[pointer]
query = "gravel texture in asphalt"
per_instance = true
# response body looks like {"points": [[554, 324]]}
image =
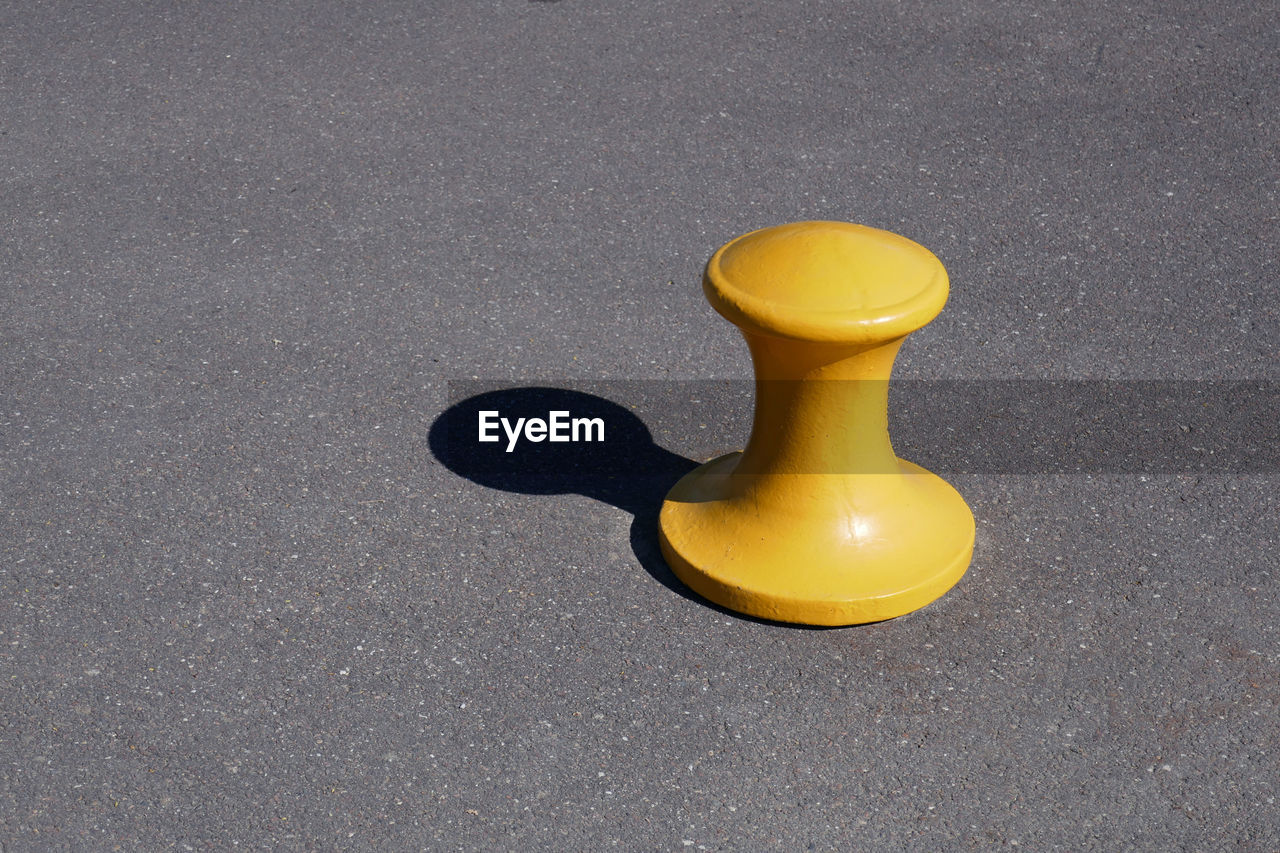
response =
{"points": [[254, 257]]}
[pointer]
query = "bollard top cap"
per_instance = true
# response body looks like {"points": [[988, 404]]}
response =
{"points": [[826, 281]]}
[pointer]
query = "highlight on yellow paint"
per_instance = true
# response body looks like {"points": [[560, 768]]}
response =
{"points": [[817, 521]]}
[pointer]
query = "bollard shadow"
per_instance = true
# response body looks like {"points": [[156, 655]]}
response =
{"points": [[627, 469]]}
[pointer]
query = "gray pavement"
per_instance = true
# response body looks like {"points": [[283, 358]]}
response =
{"points": [[247, 600]]}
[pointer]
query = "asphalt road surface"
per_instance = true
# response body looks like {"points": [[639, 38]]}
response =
{"points": [[255, 257]]}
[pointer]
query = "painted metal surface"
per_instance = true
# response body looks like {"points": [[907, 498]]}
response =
{"points": [[817, 521]]}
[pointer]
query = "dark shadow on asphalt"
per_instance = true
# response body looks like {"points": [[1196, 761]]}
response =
{"points": [[627, 470]]}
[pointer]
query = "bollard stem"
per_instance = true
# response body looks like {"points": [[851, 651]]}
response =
{"points": [[820, 408]]}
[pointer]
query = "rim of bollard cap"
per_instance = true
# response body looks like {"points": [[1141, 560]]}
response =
{"points": [[826, 281]]}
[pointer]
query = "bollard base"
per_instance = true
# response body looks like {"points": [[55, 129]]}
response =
{"points": [[816, 549]]}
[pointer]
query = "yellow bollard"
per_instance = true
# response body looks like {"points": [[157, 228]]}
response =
{"points": [[817, 521]]}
